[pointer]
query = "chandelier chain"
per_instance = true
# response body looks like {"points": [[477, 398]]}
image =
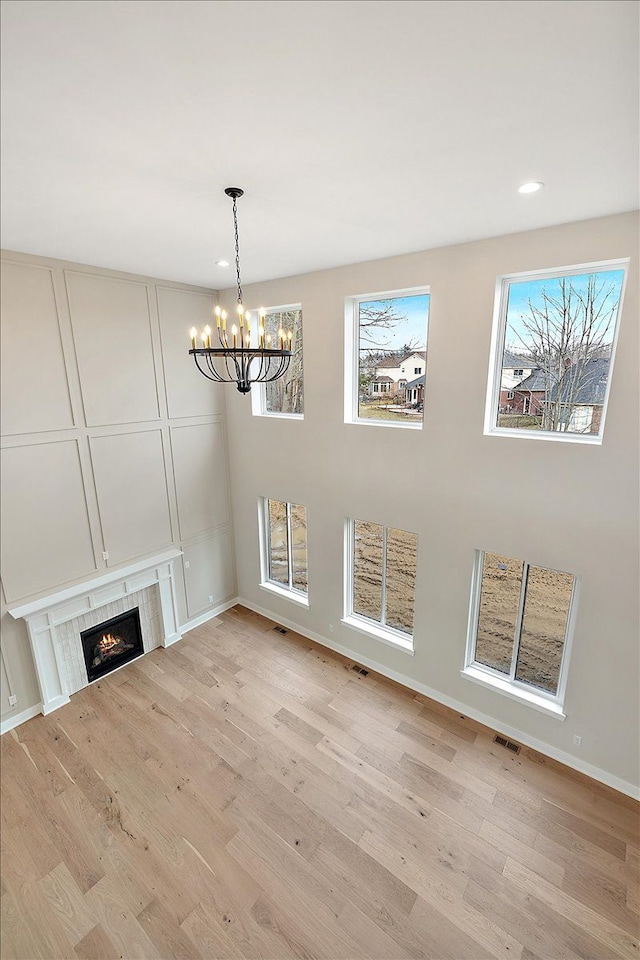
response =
{"points": [[237, 241]]}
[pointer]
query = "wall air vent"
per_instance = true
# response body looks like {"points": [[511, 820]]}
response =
{"points": [[509, 744]]}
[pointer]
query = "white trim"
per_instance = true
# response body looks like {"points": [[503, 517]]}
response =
{"points": [[378, 629], [508, 685], [352, 357], [384, 635], [88, 586], [498, 335], [264, 549], [209, 615], [520, 434], [19, 718], [596, 773], [30, 712], [508, 689], [372, 422], [273, 413], [259, 393], [44, 618], [574, 763], [293, 595]]}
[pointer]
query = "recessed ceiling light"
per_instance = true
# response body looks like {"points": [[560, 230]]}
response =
{"points": [[531, 187], [222, 263]]}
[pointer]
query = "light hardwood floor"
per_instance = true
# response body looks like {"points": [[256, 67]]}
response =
{"points": [[248, 794]]}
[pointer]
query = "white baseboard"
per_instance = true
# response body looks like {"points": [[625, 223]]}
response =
{"points": [[602, 776], [30, 712], [209, 614], [19, 718]]}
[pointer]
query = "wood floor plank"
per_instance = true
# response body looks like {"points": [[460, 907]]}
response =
{"points": [[96, 945], [245, 794], [67, 903], [169, 938], [593, 921]]}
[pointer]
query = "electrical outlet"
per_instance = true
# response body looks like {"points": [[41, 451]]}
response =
{"points": [[330, 628], [577, 741], [13, 700], [186, 564], [210, 599], [105, 554]]}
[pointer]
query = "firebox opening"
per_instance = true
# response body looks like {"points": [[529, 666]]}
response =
{"points": [[111, 644]]}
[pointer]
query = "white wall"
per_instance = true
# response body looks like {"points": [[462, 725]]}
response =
{"points": [[568, 506], [111, 441]]}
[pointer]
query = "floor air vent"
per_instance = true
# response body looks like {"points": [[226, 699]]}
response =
{"points": [[280, 629], [509, 744], [360, 670]]}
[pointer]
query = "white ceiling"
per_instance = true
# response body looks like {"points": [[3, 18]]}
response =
{"points": [[358, 129]]}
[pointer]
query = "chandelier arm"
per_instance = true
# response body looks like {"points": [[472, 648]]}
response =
{"points": [[281, 370], [263, 369], [204, 372], [212, 367]]}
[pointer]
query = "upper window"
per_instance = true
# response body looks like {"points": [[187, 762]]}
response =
{"points": [[386, 334], [554, 337], [518, 627], [284, 396], [380, 582], [283, 528]]}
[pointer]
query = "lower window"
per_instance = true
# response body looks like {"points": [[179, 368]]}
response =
{"points": [[519, 625], [381, 578], [284, 547]]}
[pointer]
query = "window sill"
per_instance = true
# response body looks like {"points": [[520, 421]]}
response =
{"points": [[299, 598], [372, 422], [532, 699], [560, 437], [379, 633], [273, 414]]}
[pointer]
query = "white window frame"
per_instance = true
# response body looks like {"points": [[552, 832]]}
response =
{"points": [[507, 685], [259, 391], [352, 354], [264, 540], [498, 336], [371, 628]]}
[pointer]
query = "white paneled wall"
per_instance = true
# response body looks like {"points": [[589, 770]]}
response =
{"points": [[114, 447]]}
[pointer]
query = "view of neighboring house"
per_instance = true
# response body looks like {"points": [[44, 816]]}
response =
{"points": [[414, 391], [578, 396], [393, 374], [582, 393], [527, 396], [514, 370]]}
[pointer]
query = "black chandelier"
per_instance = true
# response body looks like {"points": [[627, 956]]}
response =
{"points": [[241, 358]]}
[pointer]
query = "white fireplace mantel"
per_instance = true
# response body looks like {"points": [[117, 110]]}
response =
{"points": [[45, 615]]}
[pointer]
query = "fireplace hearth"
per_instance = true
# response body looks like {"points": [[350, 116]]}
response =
{"points": [[112, 643]]}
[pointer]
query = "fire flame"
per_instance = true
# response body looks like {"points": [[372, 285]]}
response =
{"points": [[107, 641]]}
